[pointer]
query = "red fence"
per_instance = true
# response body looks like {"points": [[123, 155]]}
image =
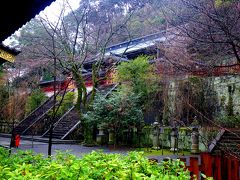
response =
{"points": [[204, 71], [219, 167], [218, 71]]}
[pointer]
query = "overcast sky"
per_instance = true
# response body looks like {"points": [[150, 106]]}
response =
{"points": [[51, 12], [54, 9]]}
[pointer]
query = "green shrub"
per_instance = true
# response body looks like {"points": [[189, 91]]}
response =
{"points": [[36, 98], [229, 121], [94, 165], [66, 104]]}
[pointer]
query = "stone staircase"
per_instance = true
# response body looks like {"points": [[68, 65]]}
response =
{"points": [[70, 120], [65, 125], [227, 141], [35, 116], [105, 90]]}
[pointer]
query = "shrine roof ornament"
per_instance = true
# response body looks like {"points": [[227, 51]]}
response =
{"points": [[20, 12], [7, 54]]}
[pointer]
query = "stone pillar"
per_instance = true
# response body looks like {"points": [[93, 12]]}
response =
{"points": [[110, 137], [155, 139], [174, 136], [161, 136], [195, 140], [100, 135]]}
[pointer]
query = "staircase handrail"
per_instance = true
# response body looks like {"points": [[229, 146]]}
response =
{"points": [[45, 102], [215, 140], [72, 108], [59, 120], [38, 119], [80, 121], [71, 129], [114, 87]]}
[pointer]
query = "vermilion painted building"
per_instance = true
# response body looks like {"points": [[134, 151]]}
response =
{"points": [[69, 84]]}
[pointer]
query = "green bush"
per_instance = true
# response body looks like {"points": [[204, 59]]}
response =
{"points": [[36, 98], [228, 121], [95, 165], [119, 112], [66, 104]]}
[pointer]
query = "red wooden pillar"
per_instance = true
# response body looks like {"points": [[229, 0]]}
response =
{"points": [[229, 168], [194, 167], [217, 168], [235, 167], [224, 167], [206, 164]]}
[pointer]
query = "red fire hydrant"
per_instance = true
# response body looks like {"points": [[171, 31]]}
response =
{"points": [[17, 140]]}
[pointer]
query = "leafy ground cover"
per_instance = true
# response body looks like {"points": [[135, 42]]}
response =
{"points": [[164, 152], [95, 165]]}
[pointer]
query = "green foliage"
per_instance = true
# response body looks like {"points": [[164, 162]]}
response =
{"points": [[136, 72], [119, 109], [198, 92], [47, 76], [146, 140], [4, 98], [220, 3], [66, 104], [164, 152], [118, 112], [229, 107], [146, 20], [229, 121], [4, 92], [207, 135], [36, 98], [1, 71], [138, 75], [95, 165]]}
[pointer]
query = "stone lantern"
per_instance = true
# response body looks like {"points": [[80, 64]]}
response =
{"points": [[174, 136], [155, 139], [195, 140], [100, 135], [110, 136]]}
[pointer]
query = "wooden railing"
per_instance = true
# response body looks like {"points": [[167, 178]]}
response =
{"points": [[203, 72]]}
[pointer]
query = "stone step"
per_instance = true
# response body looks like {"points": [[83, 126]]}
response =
{"points": [[227, 140], [230, 146], [232, 134], [58, 132], [55, 137], [230, 137]]}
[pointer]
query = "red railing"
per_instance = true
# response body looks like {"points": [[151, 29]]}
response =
{"points": [[204, 71], [219, 167], [65, 84]]}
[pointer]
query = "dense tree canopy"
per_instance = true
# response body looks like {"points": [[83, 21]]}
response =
{"points": [[213, 27]]}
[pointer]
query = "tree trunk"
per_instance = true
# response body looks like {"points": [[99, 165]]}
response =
{"points": [[81, 98], [95, 84]]}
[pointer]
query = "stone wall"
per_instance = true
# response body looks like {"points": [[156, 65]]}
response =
{"points": [[222, 86], [216, 97]]}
